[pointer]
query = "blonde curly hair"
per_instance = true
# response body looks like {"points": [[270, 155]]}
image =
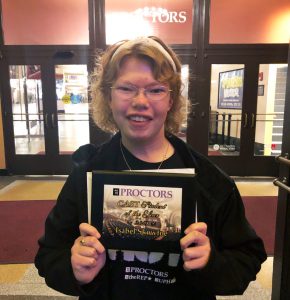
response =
{"points": [[106, 72]]}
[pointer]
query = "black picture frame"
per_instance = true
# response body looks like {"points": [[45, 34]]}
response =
{"points": [[186, 182], [230, 89]]}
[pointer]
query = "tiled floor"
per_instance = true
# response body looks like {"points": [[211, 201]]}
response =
{"points": [[21, 281]]}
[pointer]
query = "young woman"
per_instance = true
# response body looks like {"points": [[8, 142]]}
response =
{"points": [[136, 91]]}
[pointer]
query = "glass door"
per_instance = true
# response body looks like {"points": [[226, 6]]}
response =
{"points": [[226, 99], [27, 109], [49, 116], [270, 109], [26, 119], [246, 114], [228, 116], [72, 119]]}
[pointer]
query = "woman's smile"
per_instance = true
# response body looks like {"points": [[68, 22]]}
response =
{"points": [[139, 120]]}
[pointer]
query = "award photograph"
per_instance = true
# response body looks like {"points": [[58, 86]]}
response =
{"points": [[139, 209]]}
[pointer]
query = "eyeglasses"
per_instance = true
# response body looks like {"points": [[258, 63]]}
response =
{"points": [[154, 93]]}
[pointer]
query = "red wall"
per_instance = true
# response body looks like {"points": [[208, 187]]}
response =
{"points": [[45, 22], [249, 21], [42, 22]]}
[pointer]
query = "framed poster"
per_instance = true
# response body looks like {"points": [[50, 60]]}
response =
{"points": [[145, 211], [230, 93]]}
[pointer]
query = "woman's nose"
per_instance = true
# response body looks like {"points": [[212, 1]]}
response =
{"points": [[140, 99]]}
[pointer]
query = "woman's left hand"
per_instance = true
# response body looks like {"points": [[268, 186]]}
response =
{"points": [[196, 246]]}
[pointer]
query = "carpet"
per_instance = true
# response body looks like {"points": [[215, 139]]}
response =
{"points": [[214, 153], [21, 225], [66, 152], [31, 190], [261, 213]]}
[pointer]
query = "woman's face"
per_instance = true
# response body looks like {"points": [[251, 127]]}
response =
{"points": [[139, 118]]}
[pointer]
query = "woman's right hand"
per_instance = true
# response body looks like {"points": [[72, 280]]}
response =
{"points": [[88, 255]]}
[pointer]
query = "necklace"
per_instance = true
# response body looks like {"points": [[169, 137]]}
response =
{"points": [[127, 164]]}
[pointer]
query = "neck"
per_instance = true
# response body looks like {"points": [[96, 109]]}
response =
{"points": [[150, 152]]}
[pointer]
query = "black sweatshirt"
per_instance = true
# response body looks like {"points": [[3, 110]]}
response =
{"points": [[236, 251]]}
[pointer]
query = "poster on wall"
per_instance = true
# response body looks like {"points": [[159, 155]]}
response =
{"points": [[230, 95]]}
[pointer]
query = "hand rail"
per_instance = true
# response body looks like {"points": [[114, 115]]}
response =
{"points": [[281, 184], [283, 159]]}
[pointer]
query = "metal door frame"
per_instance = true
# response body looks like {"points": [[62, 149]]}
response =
{"points": [[281, 267]]}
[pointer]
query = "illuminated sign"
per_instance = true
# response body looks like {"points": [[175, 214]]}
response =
{"points": [[169, 20], [162, 15], [231, 89]]}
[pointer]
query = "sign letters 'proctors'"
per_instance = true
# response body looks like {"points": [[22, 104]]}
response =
{"points": [[142, 210]]}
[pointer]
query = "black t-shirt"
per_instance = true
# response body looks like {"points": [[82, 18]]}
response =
{"points": [[172, 162], [144, 275]]}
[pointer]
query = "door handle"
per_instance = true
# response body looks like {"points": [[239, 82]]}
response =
{"points": [[253, 121], [46, 120], [52, 120], [246, 120]]}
